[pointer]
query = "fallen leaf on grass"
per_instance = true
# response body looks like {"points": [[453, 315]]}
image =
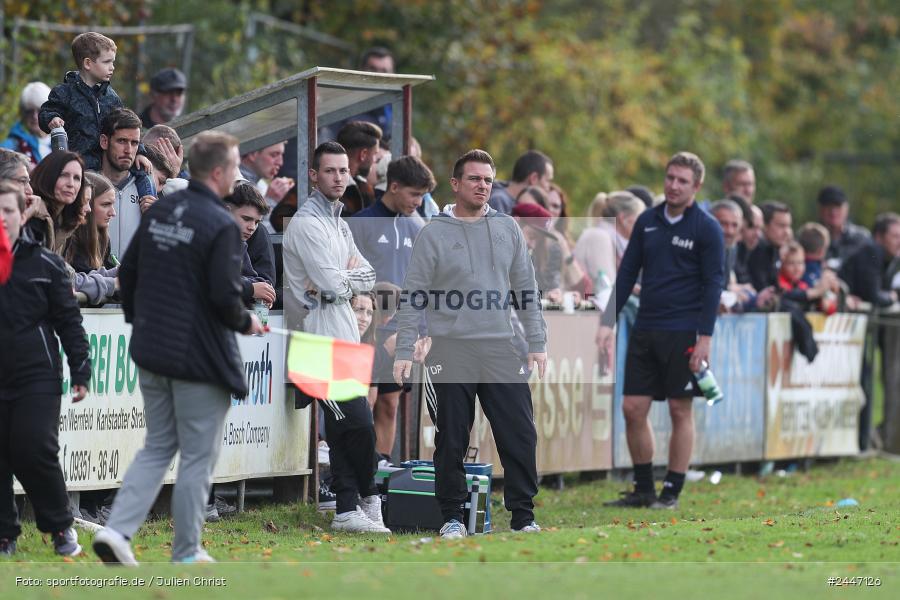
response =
{"points": [[673, 520], [267, 552], [761, 493], [769, 522], [636, 555], [326, 537], [271, 527], [582, 541], [581, 559], [707, 529], [777, 544], [442, 572], [602, 534], [244, 540]]}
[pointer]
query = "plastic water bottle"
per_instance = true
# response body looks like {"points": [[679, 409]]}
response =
{"points": [[59, 140], [262, 311], [604, 290], [707, 383]]}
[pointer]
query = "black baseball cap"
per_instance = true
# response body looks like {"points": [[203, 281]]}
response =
{"points": [[832, 195], [168, 80]]}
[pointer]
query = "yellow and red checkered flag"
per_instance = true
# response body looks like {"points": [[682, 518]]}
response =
{"points": [[328, 368]]}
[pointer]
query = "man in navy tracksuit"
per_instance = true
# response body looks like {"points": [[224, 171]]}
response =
{"points": [[680, 249]]}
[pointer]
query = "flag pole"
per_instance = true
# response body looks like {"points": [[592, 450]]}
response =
{"points": [[278, 330]]}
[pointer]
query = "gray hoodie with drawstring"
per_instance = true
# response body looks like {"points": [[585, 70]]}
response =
{"points": [[467, 277]]}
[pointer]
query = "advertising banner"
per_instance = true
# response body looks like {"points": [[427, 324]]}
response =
{"points": [[730, 431], [812, 409], [98, 437], [571, 404]]}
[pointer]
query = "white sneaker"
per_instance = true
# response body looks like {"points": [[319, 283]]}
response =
{"points": [[322, 454], [356, 521], [530, 528], [371, 507], [112, 548], [200, 556], [453, 530]]}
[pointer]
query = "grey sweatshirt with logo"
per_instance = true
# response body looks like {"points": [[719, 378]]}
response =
{"points": [[472, 275], [318, 245]]}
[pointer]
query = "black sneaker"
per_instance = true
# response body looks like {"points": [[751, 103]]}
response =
{"points": [[7, 547], [224, 509], [66, 543], [212, 513], [90, 516], [327, 498], [665, 503], [633, 499]]}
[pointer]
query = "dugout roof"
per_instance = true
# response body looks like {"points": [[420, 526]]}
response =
{"points": [[299, 105]]}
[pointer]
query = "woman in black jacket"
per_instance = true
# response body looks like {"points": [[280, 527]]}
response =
{"points": [[36, 306]]}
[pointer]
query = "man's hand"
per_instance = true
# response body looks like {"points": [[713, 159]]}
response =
{"points": [[256, 327], [701, 352], [765, 300], [146, 202], [353, 262], [539, 359], [279, 187], [166, 148], [78, 393], [605, 340], [56, 122], [402, 370], [422, 348], [265, 292]]}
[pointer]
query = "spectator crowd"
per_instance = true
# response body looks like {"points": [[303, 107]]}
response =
{"points": [[81, 203]]}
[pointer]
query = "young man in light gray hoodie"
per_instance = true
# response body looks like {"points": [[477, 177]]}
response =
{"points": [[469, 268], [323, 270]]}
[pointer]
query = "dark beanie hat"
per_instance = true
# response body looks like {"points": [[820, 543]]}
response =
{"points": [[832, 195]]}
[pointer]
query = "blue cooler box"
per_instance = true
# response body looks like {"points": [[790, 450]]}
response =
{"points": [[410, 504]]}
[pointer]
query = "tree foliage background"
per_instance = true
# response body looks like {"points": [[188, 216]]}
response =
{"points": [[805, 90]]}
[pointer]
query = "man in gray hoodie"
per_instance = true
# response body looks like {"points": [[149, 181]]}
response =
{"points": [[323, 270], [469, 268]]}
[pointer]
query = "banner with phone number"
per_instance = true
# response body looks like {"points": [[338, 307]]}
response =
{"points": [[264, 435]]}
